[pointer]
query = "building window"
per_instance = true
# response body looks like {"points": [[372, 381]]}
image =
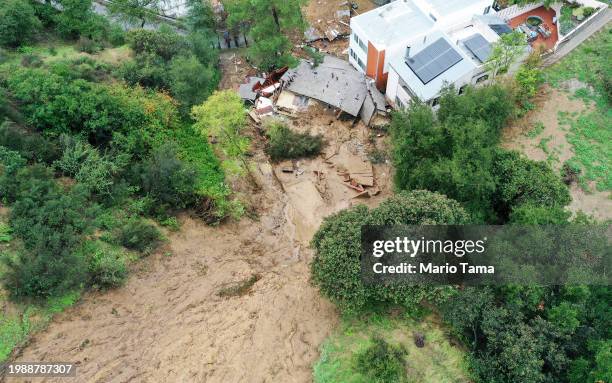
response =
{"points": [[487, 9], [360, 42], [398, 103], [353, 54], [363, 46], [462, 89], [482, 78], [361, 64], [435, 101]]}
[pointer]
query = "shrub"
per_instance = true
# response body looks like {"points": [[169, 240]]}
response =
{"points": [[165, 44], [31, 60], [77, 19], [287, 144], [106, 265], [382, 362], [31, 146], [588, 11], [136, 234], [528, 214], [116, 35], [168, 180], [570, 172], [75, 151], [51, 224], [85, 163], [82, 67], [88, 45], [132, 118], [18, 22], [147, 70], [5, 233], [10, 163]]}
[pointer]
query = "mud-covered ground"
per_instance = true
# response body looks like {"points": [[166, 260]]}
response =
{"points": [[169, 324], [551, 144]]}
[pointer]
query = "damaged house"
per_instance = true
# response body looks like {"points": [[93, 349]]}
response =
{"points": [[335, 83]]}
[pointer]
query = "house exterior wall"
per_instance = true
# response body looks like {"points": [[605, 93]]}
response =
{"points": [[396, 96], [447, 21], [357, 54]]}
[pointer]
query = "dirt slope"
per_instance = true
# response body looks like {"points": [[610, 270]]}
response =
{"points": [[169, 325]]}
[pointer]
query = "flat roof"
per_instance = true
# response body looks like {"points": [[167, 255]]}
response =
{"points": [[448, 7], [432, 88], [396, 21], [433, 60]]}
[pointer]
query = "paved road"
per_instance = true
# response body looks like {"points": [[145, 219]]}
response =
{"points": [[579, 37]]}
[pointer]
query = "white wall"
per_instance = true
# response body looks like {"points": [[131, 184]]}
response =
{"points": [[515, 10], [395, 90], [465, 14], [356, 48]]}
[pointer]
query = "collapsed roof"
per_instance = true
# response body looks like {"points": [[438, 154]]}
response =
{"points": [[334, 82]]}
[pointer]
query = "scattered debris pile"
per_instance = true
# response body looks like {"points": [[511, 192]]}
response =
{"points": [[337, 25], [261, 92], [355, 171]]}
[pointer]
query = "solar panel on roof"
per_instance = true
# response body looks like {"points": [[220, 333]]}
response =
{"points": [[434, 60], [501, 29], [479, 46]]}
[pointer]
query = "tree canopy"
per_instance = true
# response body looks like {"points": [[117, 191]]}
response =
{"points": [[270, 24]]}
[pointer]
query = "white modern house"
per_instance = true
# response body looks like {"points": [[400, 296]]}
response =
{"points": [[413, 48], [455, 57], [384, 34]]}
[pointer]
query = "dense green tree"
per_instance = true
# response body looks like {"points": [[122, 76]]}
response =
{"points": [[223, 117], [505, 52], [148, 70], [31, 146], [165, 42], [452, 152], [336, 267], [133, 119], [77, 18], [10, 163], [191, 82], [200, 16], [521, 180], [271, 23], [136, 12], [18, 22]]}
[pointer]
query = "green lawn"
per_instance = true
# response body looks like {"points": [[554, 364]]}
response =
{"points": [[437, 362]]}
